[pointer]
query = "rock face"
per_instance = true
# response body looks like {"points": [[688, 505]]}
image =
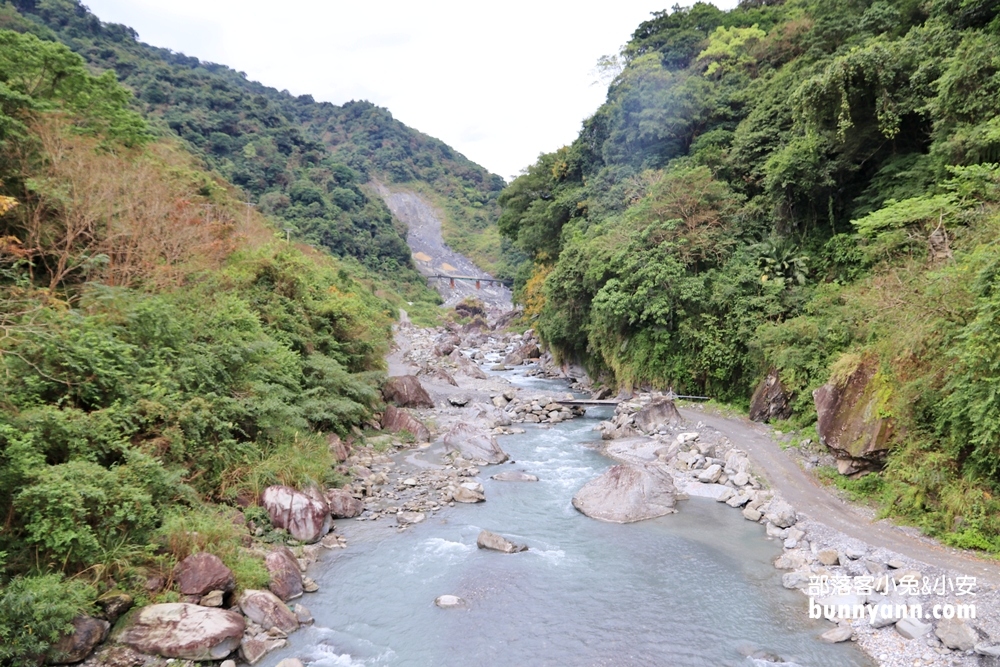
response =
{"points": [[488, 540], [203, 572], [187, 631], [627, 493], [770, 401], [474, 444], [343, 505], [395, 420], [306, 519], [286, 577], [266, 610], [406, 391], [848, 420], [87, 633], [659, 414]]}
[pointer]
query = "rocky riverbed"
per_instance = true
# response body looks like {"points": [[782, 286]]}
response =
{"points": [[438, 392]]}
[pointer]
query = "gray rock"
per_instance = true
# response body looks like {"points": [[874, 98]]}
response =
{"points": [[253, 648], [290, 662], [750, 514], [515, 476], [717, 492], [955, 634], [711, 474], [469, 492], [187, 631], [841, 633], [474, 443], [658, 414], [739, 500], [343, 505], [450, 602], [985, 648], [911, 628], [627, 493], [885, 613], [303, 615], [780, 513], [266, 610], [796, 579], [459, 401], [741, 479], [309, 586], [488, 540], [409, 518], [406, 392]]}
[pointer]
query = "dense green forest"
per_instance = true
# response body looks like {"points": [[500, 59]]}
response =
{"points": [[301, 162], [804, 186]]}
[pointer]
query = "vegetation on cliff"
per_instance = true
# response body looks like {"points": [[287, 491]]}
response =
{"points": [[165, 353], [804, 186]]}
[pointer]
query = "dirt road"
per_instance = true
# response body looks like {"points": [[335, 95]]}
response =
{"points": [[817, 503]]}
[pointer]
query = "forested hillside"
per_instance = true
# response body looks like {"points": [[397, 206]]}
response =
{"points": [[805, 187], [165, 353], [301, 162]]}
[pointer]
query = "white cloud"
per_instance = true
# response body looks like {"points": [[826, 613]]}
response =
{"points": [[500, 82]]}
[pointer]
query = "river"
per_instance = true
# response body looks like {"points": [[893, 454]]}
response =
{"points": [[694, 589]]}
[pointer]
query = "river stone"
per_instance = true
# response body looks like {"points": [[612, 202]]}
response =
{"points": [[409, 518], [253, 648], [627, 493], [886, 612], [515, 476], [309, 585], [203, 572], [741, 479], [286, 577], [114, 605], [459, 401], [474, 443], [342, 504], [87, 633], [406, 392], [955, 634], [751, 514], [268, 611], [450, 602], [711, 474], [796, 579], [305, 518], [780, 513], [841, 633], [488, 540], [828, 557], [985, 648], [912, 628], [717, 492], [469, 492], [187, 631]]}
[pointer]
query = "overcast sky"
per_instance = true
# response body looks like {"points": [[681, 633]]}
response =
{"points": [[500, 82]]}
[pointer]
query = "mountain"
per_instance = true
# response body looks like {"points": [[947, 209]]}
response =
{"points": [[802, 191], [301, 162]]}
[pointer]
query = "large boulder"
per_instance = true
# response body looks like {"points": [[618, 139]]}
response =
{"points": [[406, 392], [769, 400], [627, 493], [661, 413], [203, 572], [955, 634], [87, 633], [474, 444], [343, 505], [305, 518], [286, 577], [186, 631], [266, 610], [395, 420], [850, 420], [488, 540]]}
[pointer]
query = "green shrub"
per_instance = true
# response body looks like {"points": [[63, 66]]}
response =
{"points": [[35, 612]]}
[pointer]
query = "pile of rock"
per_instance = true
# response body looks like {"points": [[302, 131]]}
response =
{"points": [[648, 414], [536, 410]]}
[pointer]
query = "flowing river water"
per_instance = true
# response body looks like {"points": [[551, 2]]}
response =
{"points": [[694, 589]]}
